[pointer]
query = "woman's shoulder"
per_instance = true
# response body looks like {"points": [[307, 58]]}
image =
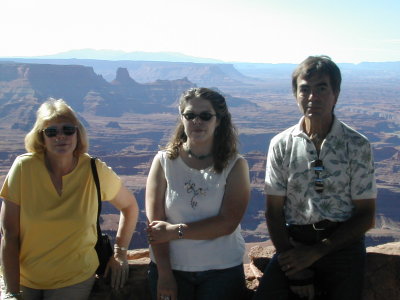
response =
{"points": [[163, 156], [236, 159], [28, 158]]}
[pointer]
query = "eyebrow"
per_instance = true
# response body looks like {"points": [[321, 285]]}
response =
{"points": [[192, 111], [317, 85]]}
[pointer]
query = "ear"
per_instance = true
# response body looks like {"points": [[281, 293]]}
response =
{"points": [[336, 97]]}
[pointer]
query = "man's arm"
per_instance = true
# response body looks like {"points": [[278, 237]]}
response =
{"points": [[280, 237], [301, 256], [276, 223], [353, 229]]}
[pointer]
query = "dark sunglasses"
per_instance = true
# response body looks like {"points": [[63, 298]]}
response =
{"points": [[205, 116], [54, 131], [318, 167]]}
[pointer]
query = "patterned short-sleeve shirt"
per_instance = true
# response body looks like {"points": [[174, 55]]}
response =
{"points": [[347, 175]]}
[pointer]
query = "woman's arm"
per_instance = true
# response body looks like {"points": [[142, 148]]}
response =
{"points": [[10, 231], [124, 201], [234, 204], [155, 210]]}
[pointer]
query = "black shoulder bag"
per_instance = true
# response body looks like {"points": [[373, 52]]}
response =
{"points": [[103, 245]]}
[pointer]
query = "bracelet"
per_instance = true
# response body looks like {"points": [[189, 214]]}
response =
{"points": [[120, 248], [180, 231], [13, 295], [326, 242]]}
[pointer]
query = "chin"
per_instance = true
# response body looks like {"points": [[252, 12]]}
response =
{"points": [[200, 139]]}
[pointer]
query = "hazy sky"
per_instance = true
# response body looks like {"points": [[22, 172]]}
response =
{"points": [[230, 30]]}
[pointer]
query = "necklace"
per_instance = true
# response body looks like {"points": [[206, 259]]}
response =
{"points": [[199, 157]]}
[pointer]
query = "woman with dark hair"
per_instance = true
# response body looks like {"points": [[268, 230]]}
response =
{"points": [[197, 192], [49, 213]]}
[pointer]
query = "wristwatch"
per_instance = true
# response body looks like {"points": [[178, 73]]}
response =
{"points": [[180, 231]]}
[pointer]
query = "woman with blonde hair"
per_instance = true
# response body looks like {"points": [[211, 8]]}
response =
{"points": [[49, 213], [197, 192]]}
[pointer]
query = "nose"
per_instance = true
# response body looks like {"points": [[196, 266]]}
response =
{"points": [[197, 119], [314, 95], [60, 136]]}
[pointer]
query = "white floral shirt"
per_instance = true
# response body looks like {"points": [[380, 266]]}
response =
{"points": [[348, 173]]}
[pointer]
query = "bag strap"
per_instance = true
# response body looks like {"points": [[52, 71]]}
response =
{"points": [[97, 182]]}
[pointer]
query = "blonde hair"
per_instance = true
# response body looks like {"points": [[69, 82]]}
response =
{"points": [[51, 110]]}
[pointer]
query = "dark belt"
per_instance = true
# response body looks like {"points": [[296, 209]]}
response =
{"points": [[312, 233]]}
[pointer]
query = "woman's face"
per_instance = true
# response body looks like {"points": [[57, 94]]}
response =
{"points": [[200, 121], [60, 137]]}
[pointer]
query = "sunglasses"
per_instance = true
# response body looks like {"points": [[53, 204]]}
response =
{"points": [[205, 116], [53, 131], [318, 167]]}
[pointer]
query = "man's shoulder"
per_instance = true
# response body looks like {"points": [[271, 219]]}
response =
{"points": [[352, 134], [284, 135]]}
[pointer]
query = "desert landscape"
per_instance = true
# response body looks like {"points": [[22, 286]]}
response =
{"points": [[130, 109]]}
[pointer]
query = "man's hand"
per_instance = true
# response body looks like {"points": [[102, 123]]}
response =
{"points": [[304, 291], [298, 258], [302, 284]]}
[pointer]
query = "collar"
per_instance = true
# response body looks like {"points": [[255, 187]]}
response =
{"points": [[299, 132]]}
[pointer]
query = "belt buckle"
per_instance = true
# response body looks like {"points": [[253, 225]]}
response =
{"points": [[316, 228]]}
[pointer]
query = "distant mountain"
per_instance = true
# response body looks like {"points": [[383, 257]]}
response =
{"points": [[350, 71], [23, 87], [121, 55], [202, 74]]}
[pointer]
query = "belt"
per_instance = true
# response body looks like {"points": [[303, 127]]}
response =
{"points": [[312, 233]]}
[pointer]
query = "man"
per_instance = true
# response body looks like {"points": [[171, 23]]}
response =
{"points": [[321, 192]]}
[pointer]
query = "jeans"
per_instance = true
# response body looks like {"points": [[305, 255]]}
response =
{"points": [[337, 276], [79, 291], [205, 285]]}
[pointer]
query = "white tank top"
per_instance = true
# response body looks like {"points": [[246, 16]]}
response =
{"points": [[194, 195]]}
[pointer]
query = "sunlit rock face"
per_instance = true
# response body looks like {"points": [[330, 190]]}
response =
{"points": [[382, 275]]}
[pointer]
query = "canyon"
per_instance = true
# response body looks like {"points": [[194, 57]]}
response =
{"points": [[130, 110]]}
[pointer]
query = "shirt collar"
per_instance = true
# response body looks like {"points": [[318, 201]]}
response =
{"points": [[298, 129]]}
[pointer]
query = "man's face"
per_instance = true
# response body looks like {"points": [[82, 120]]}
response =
{"points": [[315, 97]]}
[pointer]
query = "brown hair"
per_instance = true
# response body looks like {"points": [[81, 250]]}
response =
{"points": [[225, 135], [322, 65]]}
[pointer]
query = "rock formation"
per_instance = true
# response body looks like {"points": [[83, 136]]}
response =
{"points": [[382, 277]]}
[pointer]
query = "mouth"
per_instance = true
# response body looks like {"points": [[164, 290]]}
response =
{"points": [[198, 129], [313, 108]]}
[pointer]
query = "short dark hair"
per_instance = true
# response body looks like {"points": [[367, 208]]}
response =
{"points": [[321, 65], [225, 136]]}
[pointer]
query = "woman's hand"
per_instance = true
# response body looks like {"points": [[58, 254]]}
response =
{"points": [[166, 287], [119, 268], [161, 232], [7, 296]]}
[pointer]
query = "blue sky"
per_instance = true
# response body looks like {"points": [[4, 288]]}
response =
{"points": [[230, 30]]}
